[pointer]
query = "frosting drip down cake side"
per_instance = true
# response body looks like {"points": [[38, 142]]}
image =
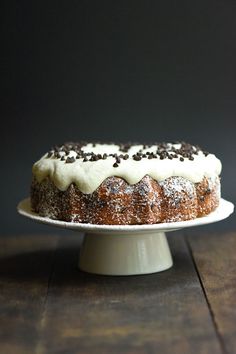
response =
{"points": [[125, 184]]}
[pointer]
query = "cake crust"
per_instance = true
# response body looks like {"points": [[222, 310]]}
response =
{"points": [[116, 202]]}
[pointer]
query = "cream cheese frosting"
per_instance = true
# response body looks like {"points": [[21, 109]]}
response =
{"points": [[90, 164]]}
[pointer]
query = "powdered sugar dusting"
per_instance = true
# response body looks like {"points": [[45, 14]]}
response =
{"points": [[180, 199], [178, 187]]}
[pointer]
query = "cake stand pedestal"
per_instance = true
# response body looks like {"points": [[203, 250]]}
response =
{"points": [[116, 254], [126, 249]]}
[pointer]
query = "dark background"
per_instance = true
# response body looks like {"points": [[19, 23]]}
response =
{"points": [[114, 70]]}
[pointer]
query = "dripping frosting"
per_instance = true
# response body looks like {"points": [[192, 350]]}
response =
{"points": [[88, 165]]}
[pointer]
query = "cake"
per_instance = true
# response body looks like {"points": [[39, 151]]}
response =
{"points": [[125, 184]]}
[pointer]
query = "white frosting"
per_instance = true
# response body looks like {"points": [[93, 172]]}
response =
{"points": [[89, 175]]}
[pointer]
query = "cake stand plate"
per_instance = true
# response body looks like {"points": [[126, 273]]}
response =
{"points": [[126, 249]]}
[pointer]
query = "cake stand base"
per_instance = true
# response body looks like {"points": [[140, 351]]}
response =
{"points": [[126, 249], [125, 254]]}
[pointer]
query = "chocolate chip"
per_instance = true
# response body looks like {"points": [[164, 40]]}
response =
{"points": [[50, 153], [57, 155], [70, 159], [137, 157]]}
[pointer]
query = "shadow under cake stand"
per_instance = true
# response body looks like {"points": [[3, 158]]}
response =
{"points": [[126, 249]]}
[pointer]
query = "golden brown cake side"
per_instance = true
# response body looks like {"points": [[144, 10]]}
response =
{"points": [[116, 202]]}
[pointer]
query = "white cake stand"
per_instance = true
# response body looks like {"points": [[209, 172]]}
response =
{"points": [[126, 249]]}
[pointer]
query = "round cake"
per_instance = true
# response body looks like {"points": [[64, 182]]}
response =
{"points": [[125, 184]]}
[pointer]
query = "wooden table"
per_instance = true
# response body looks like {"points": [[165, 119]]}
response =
{"points": [[48, 306]]}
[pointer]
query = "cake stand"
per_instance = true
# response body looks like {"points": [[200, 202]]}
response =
{"points": [[126, 249]]}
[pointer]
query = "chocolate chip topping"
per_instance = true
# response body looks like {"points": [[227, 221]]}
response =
{"points": [[163, 151]]}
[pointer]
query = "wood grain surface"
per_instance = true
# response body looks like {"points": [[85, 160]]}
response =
{"points": [[215, 260], [49, 306]]}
